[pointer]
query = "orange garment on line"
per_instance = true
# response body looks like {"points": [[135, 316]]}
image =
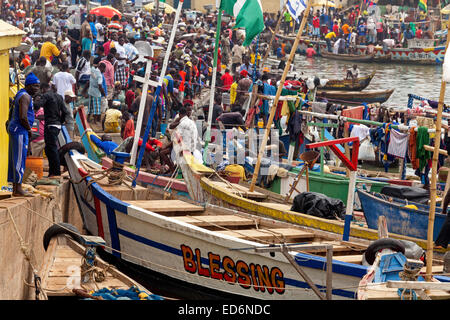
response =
{"points": [[353, 113]]}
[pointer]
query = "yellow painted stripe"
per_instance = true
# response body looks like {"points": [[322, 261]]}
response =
{"points": [[296, 218]]}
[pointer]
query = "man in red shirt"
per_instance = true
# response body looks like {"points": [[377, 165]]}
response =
{"points": [[419, 33], [351, 17], [316, 27], [227, 80], [336, 28], [310, 52]]}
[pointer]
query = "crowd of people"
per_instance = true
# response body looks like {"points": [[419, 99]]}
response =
{"points": [[78, 59], [93, 64], [343, 30]]}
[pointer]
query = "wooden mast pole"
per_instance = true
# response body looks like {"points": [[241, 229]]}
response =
{"points": [[253, 95], [277, 97], [43, 22], [437, 142], [274, 34]]}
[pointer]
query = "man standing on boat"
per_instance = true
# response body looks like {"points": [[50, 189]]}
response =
{"points": [[328, 38], [316, 26], [19, 129], [362, 31]]}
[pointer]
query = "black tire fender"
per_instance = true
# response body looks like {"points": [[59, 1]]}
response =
{"points": [[61, 228], [386, 243], [67, 147]]}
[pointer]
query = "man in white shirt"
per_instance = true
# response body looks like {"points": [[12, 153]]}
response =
{"points": [[388, 44], [353, 73], [63, 80], [187, 129], [121, 56], [139, 20], [131, 51], [83, 69], [100, 26]]}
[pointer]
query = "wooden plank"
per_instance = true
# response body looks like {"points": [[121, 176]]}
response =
{"points": [[239, 190], [278, 206], [434, 268], [337, 247], [48, 260], [65, 252], [160, 206], [269, 234], [221, 220], [381, 292], [426, 285], [356, 258]]}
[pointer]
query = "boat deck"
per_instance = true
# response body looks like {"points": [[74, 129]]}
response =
{"points": [[62, 271], [240, 225], [380, 291]]}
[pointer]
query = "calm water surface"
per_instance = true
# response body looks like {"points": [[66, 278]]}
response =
{"points": [[424, 81]]}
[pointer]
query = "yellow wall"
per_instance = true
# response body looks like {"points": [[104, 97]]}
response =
{"points": [[10, 37], [4, 111]]}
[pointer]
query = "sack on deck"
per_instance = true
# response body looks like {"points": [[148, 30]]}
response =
{"points": [[318, 205]]}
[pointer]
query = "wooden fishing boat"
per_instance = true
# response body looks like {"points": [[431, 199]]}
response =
{"points": [[426, 54], [358, 84], [356, 97], [397, 271], [64, 273], [348, 57], [402, 220], [383, 281], [213, 251], [206, 186]]}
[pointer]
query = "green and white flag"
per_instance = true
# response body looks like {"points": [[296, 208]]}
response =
{"points": [[248, 14]]}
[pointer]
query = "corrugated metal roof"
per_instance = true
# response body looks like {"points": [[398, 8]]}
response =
{"points": [[7, 30]]}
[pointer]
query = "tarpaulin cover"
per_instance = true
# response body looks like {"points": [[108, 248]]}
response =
{"points": [[413, 194], [319, 205]]}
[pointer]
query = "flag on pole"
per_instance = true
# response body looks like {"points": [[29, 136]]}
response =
{"points": [[295, 8], [248, 14], [423, 5]]}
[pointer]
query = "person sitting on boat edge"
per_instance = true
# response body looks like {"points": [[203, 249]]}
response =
{"points": [[353, 73], [106, 143]]}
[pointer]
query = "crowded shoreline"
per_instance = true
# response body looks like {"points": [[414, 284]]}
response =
{"points": [[190, 146]]}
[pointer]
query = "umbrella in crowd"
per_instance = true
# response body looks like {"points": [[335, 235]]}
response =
{"points": [[105, 11], [167, 8]]}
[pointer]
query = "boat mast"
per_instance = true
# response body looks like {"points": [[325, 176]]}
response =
{"points": [[277, 97], [437, 142], [277, 28], [213, 80]]}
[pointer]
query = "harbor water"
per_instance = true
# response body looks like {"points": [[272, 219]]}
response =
{"points": [[421, 80]]}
